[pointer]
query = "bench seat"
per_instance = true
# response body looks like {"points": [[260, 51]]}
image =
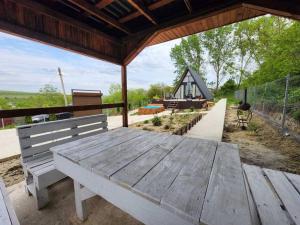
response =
{"points": [[36, 141], [7, 213]]}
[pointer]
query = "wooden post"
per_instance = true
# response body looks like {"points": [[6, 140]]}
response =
{"points": [[124, 96]]}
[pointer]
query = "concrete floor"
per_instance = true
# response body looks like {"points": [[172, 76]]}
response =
{"points": [[61, 209], [9, 143]]}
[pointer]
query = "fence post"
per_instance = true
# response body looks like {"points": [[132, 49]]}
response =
{"points": [[285, 103], [263, 106]]}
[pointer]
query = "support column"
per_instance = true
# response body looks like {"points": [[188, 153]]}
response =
{"points": [[124, 95]]}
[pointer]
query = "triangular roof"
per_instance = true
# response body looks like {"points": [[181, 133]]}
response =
{"points": [[199, 82]]}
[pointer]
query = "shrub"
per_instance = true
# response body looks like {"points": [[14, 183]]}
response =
{"points": [[156, 121], [253, 127], [296, 115], [146, 121], [28, 119], [192, 109], [52, 117], [167, 127]]}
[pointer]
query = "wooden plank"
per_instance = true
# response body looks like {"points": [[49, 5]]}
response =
{"points": [[103, 3], [88, 142], [286, 192], [143, 10], [100, 15], [226, 197], [58, 134], [10, 210], [29, 130], [294, 179], [105, 162], [186, 194], [124, 95], [4, 216], [133, 172], [138, 207], [46, 147], [52, 110], [153, 6], [101, 146], [157, 181], [268, 205], [253, 210], [139, 150]]}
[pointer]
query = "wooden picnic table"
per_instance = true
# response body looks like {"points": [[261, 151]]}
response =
{"points": [[158, 178]]}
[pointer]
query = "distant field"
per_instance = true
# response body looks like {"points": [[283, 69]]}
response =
{"points": [[16, 94]]}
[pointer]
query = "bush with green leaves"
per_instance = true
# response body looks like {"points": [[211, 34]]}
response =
{"points": [[296, 115], [146, 121], [156, 121]]}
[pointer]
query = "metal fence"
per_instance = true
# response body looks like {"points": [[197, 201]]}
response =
{"points": [[278, 101]]}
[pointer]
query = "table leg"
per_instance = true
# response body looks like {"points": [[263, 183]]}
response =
{"points": [[79, 202]]}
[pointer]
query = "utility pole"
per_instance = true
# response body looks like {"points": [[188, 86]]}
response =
{"points": [[62, 86]]}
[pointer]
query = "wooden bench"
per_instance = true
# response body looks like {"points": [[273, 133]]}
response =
{"points": [[7, 213], [35, 142]]}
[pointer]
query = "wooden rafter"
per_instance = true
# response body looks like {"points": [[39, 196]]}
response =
{"points": [[151, 7], [188, 5], [103, 3], [289, 9], [99, 14], [143, 10]]}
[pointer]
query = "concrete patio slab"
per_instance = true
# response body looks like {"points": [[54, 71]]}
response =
{"points": [[61, 209], [212, 124]]}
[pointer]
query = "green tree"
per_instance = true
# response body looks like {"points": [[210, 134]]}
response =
{"points": [[188, 53], [242, 52], [220, 46], [158, 90], [4, 104], [277, 49]]}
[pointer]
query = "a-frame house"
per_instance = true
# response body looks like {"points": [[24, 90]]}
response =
{"points": [[191, 86]]}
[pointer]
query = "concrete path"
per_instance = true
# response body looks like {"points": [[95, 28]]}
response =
{"points": [[116, 121], [210, 126], [9, 143]]}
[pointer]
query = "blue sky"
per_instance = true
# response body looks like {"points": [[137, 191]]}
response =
{"points": [[27, 66]]}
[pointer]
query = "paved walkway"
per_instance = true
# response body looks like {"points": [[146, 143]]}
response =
{"points": [[211, 126], [9, 143]]}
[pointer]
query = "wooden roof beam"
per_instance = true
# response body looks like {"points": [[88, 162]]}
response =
{"points": [[103, 3], [151, 7], [91, 9], [143, 10], [188, 5]]}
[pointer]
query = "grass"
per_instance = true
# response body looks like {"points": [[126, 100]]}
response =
{"points": [[16, 94], [231, 100]]}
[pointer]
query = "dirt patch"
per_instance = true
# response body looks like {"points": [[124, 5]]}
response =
{"points": [[262, 145], [11, 171], [168, 123]]}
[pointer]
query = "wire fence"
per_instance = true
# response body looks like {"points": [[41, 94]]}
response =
{"points": [[278, 101]]}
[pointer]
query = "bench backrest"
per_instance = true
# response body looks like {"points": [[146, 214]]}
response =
{"points": [[36, 139]]}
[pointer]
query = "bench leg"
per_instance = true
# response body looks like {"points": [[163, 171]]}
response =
{"points": [[41, 197], [79, 202]]}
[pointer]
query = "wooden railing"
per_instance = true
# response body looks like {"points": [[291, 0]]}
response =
{"points": [[51, 110]]}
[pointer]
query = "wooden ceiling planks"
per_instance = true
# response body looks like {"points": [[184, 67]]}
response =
{"points": [[207, 23], [104, 30]]}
